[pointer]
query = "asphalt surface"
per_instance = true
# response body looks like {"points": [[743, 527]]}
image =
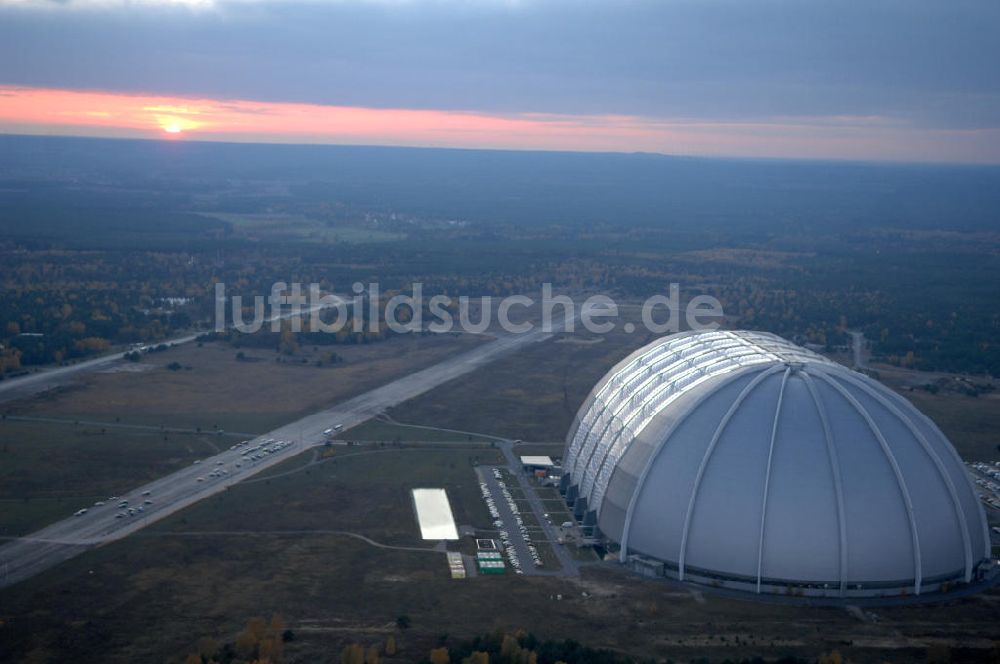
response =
{"points": [[980, 475], [30, 555], [517, 541], [570, 566], [48, 378]]}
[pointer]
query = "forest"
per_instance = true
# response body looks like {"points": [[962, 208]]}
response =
{"points": [[123, 242]]}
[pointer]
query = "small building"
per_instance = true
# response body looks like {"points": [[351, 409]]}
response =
{"points": [[456, 565], [533, 463], [492, 567], [490, 562]]}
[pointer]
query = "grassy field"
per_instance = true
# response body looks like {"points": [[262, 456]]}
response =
{"points": [[271, 547], [364, 489], [381, 430], [532, 395], [280, 543], [49, 470], [264, 227], [971, 423], [253, 395], [535, 394]]}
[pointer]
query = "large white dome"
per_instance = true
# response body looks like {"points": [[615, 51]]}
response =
{"points": [[740, 459]]}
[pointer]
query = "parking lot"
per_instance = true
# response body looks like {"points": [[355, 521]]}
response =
{"points": [[513, 533], [987, 478]]}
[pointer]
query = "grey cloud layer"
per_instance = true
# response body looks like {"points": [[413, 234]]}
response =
{"points": [[921, 62]]}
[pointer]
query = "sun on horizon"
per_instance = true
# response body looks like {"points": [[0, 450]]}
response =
{"points": [[173, 119]]}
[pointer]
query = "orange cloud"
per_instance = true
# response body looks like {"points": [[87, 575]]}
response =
{"points": [[72, 112], [251, 120]]}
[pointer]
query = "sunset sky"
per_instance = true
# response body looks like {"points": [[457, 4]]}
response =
{"points": [[903, 80]]}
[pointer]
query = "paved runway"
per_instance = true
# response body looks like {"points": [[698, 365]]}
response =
{"points": [[27, 556], [48, 378]]}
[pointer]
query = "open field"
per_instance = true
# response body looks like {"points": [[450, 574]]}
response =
{"points": [[275, 546], [535, 394], [287, 541], [49, 470], [384, 431], [187, 486], [82, 449], [264, 227], [363, 489], [532, 395], [252, 395], [971, 423]]}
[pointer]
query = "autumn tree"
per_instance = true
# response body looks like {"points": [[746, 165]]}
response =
{"points": [[246, 644], [352, 654], [510, 649], [440, 656], [262, 640], [271, 648], [477, 657]]}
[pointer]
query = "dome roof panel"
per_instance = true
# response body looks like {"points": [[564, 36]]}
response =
{"points": [[801, 536]]}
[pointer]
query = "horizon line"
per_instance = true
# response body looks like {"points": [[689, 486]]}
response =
{"points": [[845, 161], [826, 138]]}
